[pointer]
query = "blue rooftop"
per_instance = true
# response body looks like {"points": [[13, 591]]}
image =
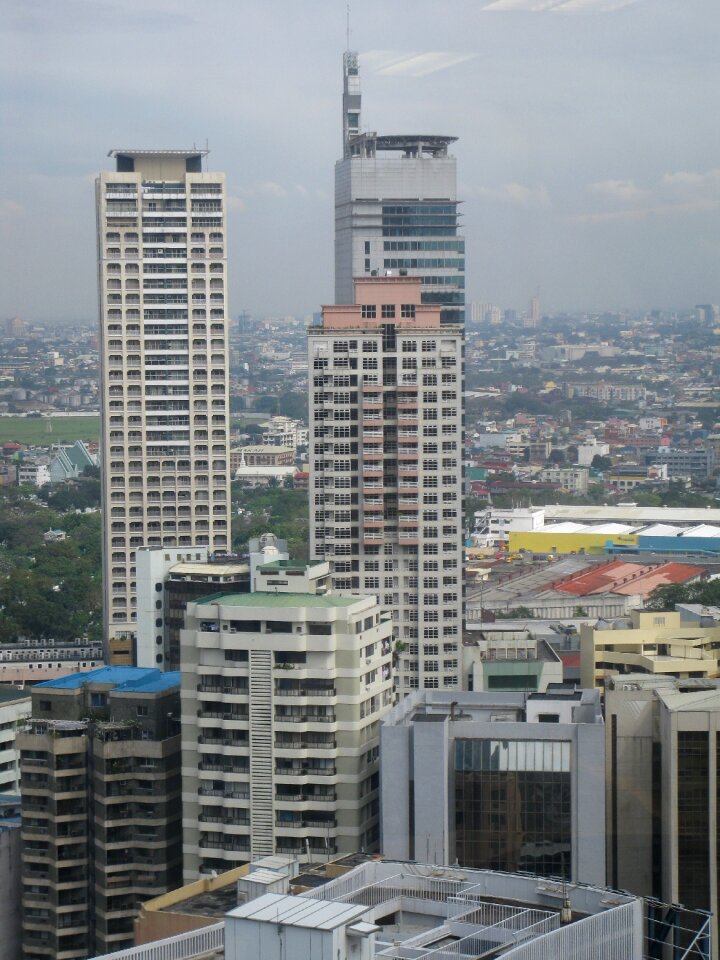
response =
{"points": [[122, 679]]}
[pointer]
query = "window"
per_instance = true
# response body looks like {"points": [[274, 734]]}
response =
{"points": [[388, 311], [407, 310], [368, 311]]}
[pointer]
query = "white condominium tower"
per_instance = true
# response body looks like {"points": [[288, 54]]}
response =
{"points": [[386, 504], [396, 208], [162, 256]]}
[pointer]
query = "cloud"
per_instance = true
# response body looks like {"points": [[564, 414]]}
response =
{"points": [[624, 190], [396, 63], [643, 213], [262, 188], [517, 193], [557, 6], [687, 179], [236, 204]]}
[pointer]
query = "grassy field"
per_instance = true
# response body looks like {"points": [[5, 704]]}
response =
{"points": [[34, 430]]}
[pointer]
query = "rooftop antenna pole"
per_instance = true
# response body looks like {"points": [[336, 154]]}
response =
{"points": [[347, 29]]}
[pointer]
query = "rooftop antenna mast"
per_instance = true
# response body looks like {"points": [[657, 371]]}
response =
{"points": [[347, 28]]}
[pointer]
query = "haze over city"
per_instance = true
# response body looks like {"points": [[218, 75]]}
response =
{"points": [[587, 138]]}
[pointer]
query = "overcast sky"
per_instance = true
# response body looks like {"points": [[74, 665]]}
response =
{"points": [[589, 150]]}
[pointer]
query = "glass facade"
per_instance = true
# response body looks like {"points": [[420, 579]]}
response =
{"points": [[693, 816], [513, 805], [426, 221]]}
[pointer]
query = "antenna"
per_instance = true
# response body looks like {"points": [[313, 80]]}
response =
{"points": [[347, 28]]}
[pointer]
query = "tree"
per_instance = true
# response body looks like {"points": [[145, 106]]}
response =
{"points": [[601, 463], [704, 592], [515, 613], [557, 456]]}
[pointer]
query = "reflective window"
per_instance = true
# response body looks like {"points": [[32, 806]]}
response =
{"points": [[513, 805]]}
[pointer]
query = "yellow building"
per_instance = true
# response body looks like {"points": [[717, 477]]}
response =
{"points": [[571, 537], [656, 643]]}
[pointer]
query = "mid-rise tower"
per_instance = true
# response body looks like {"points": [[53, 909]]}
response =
{"points": [[162, 259]]}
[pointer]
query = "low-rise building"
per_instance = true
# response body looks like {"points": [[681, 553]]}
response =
{"points": [[391, 910], [29, 662], [495, 659], [695, 462], [648, 642], [261, 455], [504, 781], [283, 691], [571, 479]]}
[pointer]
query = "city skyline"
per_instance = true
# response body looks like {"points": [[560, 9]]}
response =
{"points": [[585, 140]]}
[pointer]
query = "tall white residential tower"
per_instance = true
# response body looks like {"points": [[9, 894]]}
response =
{"points": [[162, 256], [386, 503]]}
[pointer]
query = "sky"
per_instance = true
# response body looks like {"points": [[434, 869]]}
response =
{"points": [[588, 151]]}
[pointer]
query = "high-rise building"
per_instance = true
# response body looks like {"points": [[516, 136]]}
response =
{"points": [[663, 784], [14, 711], [386, 504], [101, 822], [396, 208], [163, 316], [283, 691]]}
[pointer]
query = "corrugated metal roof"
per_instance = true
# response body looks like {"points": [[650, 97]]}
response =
{"points": [[299, 911], [626, 579], [122, 679], [704, 530], [661, 530]]}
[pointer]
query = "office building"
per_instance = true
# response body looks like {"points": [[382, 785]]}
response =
{"points": [[101, 824], [663, 783], [654, 642], [283, 691], [386, 504], [396, 208], [501, 781], [164, 366], [695, 462]]}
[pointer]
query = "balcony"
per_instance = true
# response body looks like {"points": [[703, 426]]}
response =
{"points": [[304, 770]]}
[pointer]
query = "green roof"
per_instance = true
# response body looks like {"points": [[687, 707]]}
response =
{"points": [[272, 599]]}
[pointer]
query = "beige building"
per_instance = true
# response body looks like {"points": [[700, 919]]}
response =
{"points": [[282, 693], [652, 642], [262, 454], [663, 785], [386, 451], [572, 479], [164, 365]]}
